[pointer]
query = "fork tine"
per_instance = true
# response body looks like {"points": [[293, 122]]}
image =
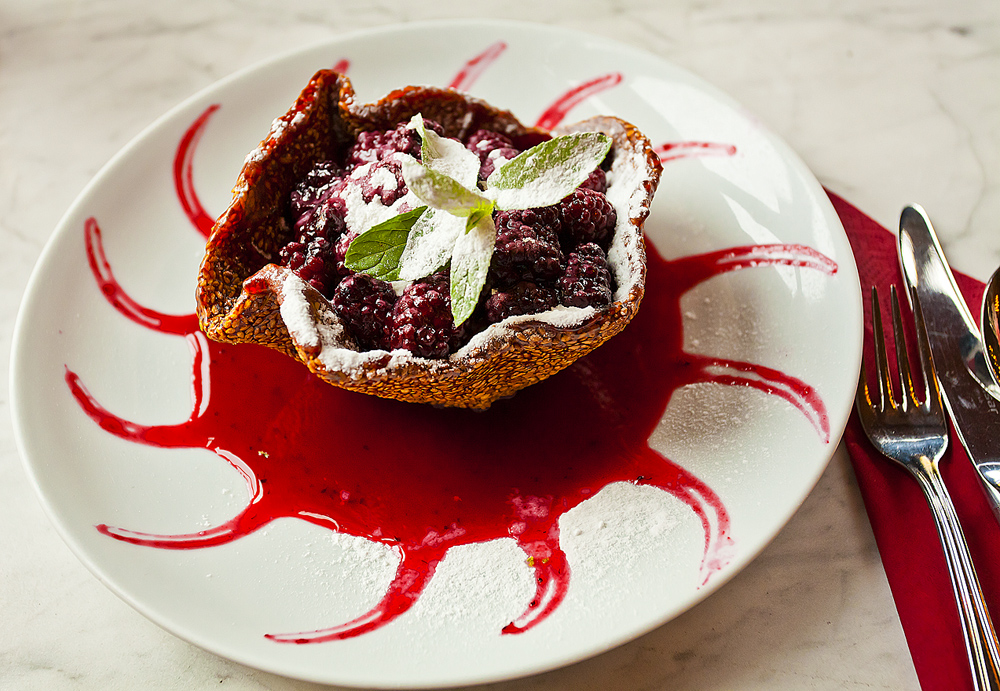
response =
{"points": [[915, 436], [932, 393], [908, 390], [881, 362]]}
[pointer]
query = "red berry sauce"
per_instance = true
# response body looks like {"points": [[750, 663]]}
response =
{"points": [[423, 480], [556, 112], [473, 68], [671, 151]]}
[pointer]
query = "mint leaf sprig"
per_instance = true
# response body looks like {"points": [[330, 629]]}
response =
{"points": [[456, 222]]}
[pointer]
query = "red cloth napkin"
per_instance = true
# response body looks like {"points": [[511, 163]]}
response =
{"points": [[900, 518]]}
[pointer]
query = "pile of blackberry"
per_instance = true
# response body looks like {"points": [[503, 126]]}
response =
{"points": [[543, 257]]}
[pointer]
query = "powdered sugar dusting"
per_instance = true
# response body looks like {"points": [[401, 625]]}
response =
{"points": [[479, 588], [279, 125], [322, 331], [361, 214], [646, 519], [628, 196], [297, 313], [334, 355], [497, 158], [545, 174], [559, 317], [545, 191], [254, 156], [448, 156], [383, 177], [430, 244]]}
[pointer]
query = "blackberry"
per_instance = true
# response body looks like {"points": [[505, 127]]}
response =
{"points": [[460, 334], [490, 147], [421, 319], [484, 141], [587, 281], [314, 186], [374, 146], [527, 245], [365, 304], [597, 181], [312, 254], [383, 179], [523, 298], [586, 216], [327, 220], [340, 251], [313, 261], [438, 281]]}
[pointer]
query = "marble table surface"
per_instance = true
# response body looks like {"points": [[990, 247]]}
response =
{"points": [[888, 101]]}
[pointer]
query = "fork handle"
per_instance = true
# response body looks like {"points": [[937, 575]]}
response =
{"points": [[980, 636]]}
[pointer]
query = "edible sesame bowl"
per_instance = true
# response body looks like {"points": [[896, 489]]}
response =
{"points": [[244, 296]]}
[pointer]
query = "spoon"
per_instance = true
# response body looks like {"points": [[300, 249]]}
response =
{"points": [[990, 325]]}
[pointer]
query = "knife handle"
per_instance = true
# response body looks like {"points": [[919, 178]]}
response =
{"points": [[980, 636]]}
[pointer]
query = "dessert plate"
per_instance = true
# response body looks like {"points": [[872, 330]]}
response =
{"points": [[716, 414]]}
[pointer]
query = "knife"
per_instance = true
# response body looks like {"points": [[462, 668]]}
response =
{"points": [[971, 395]]}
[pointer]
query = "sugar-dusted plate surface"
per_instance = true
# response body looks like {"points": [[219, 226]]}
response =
{"points": [[776, 345]]}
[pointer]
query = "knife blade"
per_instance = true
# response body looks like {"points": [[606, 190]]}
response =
{"points": [[971, 395]]}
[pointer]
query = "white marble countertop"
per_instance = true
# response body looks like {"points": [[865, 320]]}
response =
{"points": [[888, 102]]}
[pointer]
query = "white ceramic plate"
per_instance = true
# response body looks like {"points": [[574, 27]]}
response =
{"points": [[634, 551]]}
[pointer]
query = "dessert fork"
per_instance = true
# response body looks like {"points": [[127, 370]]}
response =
{"points": [[914, 433]]}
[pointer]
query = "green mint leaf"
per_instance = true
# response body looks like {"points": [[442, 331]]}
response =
{"points": [[447, 156], [430, 149], [417, 123], [377, 251], [470, 263], [545, 174], [441, 191], [477, 215], [430, 244]]}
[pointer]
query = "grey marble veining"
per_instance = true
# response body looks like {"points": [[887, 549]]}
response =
{"points": [[888, 102]]}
